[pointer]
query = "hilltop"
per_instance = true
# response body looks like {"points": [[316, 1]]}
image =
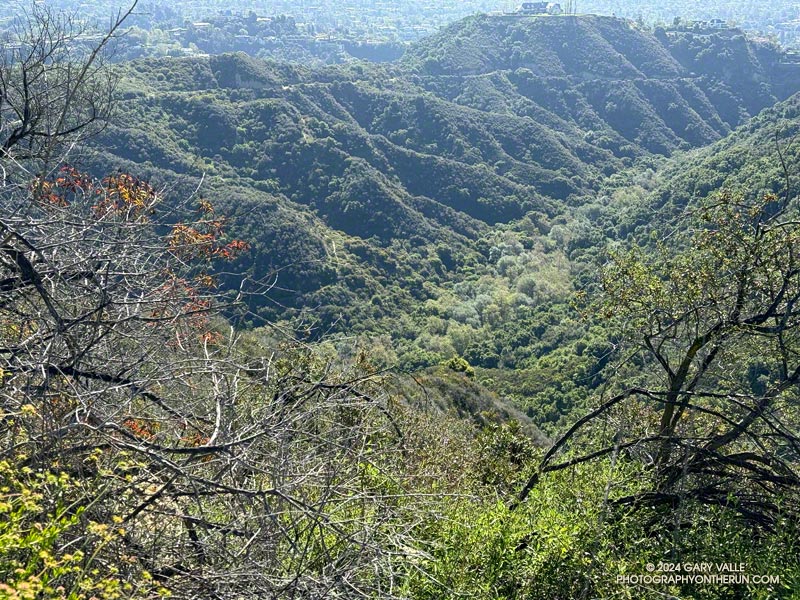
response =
{"points": [[661, 91]]}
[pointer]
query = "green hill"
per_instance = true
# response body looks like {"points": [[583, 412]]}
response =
{"points": [[370, 192], [661, 91]]}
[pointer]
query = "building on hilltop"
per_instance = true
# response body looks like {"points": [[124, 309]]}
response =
{"points": [[533, 8], [540, 8]]}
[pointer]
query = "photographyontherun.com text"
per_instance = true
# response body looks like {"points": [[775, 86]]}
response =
{"points": [[702, 573]]}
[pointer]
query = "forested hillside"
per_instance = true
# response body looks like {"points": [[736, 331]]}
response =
{"points": [[372, 195], [513, 318], [504, 132]]}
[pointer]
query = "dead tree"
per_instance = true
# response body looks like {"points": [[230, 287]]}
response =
{"points": [[220, 473], [55, 89]]}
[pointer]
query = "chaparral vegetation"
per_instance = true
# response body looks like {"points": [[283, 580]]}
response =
{"points": [[513, 316]]}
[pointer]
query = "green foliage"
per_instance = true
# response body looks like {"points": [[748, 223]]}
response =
{"points": [[568, 539], [328, 173], [448, 216], [459, 365], [40, 512]]}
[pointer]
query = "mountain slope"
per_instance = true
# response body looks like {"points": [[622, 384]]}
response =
{"points": [[751, 160], [658, 91], [386, 182]]}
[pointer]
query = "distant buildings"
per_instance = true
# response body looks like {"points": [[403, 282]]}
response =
{"points": [[533, 8], [540, 8], [686, 25]]}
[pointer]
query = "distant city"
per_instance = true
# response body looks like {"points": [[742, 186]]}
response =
{"points": [[336, 31]]}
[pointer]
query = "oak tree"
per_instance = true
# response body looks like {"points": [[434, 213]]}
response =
{"points": [[708, 326]]}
